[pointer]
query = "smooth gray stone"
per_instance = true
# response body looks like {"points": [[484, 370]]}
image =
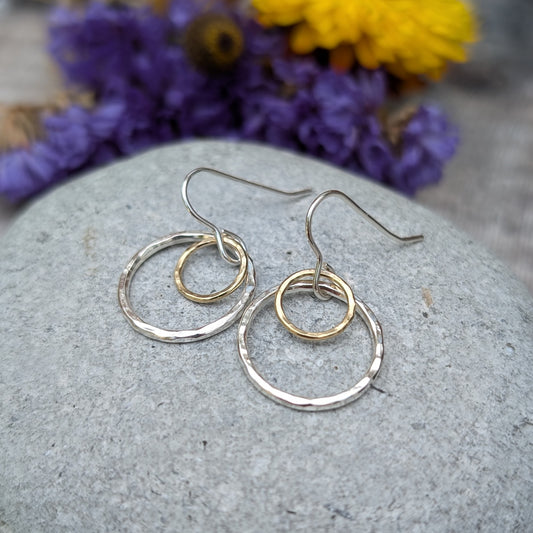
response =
{"points": [[103, 429]]}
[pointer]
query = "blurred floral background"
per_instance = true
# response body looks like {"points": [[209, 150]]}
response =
{"points": [[431, 98]]}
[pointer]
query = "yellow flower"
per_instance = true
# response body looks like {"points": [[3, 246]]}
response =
{"points": [[407, 36]]}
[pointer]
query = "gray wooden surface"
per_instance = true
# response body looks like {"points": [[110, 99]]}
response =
{"points": [[488, 188]]}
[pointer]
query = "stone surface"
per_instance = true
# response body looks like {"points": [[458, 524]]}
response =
{"points": [[487, 189], [103, 429]]}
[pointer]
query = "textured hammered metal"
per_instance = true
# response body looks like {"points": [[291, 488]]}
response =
{"points": [[179, 336], [300, 402], [214, 296], [337, 282]]}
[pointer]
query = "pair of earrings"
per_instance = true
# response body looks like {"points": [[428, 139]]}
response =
{"points": [[321, 280]]}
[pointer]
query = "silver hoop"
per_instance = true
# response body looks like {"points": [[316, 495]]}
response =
{"points": [[179, 336], [300, 402]]}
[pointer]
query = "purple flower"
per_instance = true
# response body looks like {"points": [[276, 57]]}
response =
{"points": [[428, 142], [105, 118], [26, 172], [271, 119], [375, 157], [148, 92], [197, 104], [107, 49], [69, 137], [75, 139], [181, 12], [339, 110], [261, 42]]}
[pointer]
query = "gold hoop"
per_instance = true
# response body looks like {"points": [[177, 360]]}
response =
{"points": [[338, 283], [235, 284]]}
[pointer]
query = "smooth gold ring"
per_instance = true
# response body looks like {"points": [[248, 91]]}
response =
{"points": [[235, 284], [338, 283]]}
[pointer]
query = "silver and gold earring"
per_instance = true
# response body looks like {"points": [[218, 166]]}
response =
{"points": [[324, 283], [231, 248]]}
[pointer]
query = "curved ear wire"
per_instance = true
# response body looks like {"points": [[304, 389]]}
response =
{"points": [[216, 230], [320, 260]]}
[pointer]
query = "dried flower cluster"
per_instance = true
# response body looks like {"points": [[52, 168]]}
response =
{"points": [[155, 80]]}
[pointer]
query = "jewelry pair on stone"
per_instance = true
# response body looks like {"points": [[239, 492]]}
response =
{"points": [[321, 280]]}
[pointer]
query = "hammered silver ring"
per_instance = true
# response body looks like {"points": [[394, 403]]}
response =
{"points": [[180, 336], [300, 402]]}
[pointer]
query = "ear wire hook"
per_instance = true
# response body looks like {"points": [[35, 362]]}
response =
{"points": [[216, 230], [320, 265]]}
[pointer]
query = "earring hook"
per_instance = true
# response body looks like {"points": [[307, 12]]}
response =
{"points": [[216, 230], [320, 265]]}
